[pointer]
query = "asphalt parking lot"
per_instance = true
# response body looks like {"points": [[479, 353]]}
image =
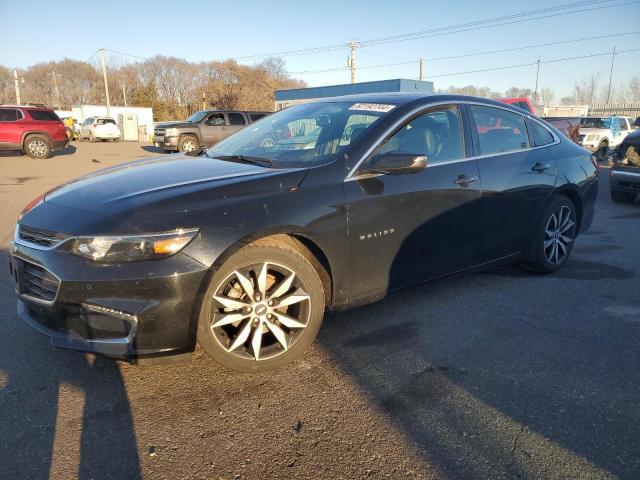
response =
{"points": [[502, 374]]}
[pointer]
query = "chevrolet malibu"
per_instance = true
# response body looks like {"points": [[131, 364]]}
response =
{"points": [[241, 248]]}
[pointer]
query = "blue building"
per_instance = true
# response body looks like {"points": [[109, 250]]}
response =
{"points": [[287, 98]]}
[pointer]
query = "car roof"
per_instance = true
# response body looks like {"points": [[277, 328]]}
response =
{"points": [[28, 107], [403, 98]]}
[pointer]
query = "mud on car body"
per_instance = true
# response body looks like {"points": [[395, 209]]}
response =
{"points": [[243, 248]]}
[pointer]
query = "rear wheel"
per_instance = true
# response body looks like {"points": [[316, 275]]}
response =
{"points": [[92, 138], [622, 197], [37, 146], [554, 236], [187, 143], [263, 308]]}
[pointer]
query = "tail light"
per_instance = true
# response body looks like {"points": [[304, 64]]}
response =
{"points": [[594, 160]]}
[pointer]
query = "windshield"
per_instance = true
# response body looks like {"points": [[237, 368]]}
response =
{"points": [[595, 122], [196, 117], [303, 135]]}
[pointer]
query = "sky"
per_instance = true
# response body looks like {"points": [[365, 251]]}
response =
{"points": [[208, 30]]}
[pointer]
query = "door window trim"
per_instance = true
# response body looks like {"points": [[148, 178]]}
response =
{"points": [[352, 175]]}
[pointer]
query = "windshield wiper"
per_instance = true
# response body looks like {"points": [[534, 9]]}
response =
{"points": [[263, 162]]}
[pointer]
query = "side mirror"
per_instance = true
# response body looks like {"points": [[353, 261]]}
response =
{"points": [[398, 163]]}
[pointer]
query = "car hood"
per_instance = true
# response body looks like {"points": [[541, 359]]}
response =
{"points": [[599, 131], [176, 125], [141, 192]]}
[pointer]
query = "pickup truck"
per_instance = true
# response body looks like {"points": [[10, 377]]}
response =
{"points": [[624, 179], [570, 126], [599, 134], [202, 129]]}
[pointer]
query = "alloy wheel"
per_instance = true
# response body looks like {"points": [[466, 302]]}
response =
{"points": [[558, 235], [260, 311], [38, 148], [188, 146]]}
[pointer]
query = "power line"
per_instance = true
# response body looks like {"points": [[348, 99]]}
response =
{"points": [[458, 28], [464, 55], [94, 54]]}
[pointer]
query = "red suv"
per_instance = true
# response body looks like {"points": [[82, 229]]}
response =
{"points": [[36, 131]]}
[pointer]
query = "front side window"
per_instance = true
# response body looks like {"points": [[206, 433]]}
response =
{"points": [[256, 116], [9, 115], [236, 118], [303, 135], [499, 130], [436, 134], [215, 120]]}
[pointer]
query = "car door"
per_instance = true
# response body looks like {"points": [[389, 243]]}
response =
{"points": [[12, 126], [407, 228], [236, 122], [517, 178], [214, 128], [86, 127]]}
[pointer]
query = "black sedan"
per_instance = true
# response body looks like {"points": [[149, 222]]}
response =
{"points": [[242, 247]]}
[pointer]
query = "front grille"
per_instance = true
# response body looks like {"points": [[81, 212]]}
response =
{"points": [[41, 238], [38, 283], [159, 132], [581, 137]]}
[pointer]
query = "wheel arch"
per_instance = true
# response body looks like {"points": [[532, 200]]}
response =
{"points": [[31, 133]]}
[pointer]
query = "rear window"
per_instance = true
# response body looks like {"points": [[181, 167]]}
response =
{"points": [[9, 114], [539, 135], [44, 115], [105, 121]]}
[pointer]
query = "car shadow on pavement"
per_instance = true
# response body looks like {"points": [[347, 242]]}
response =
{"points": [[57, 403], [153, 149], [68, 150], [490, 381]]}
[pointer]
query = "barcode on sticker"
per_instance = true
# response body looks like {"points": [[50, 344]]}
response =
{"points": [[372, 107]]}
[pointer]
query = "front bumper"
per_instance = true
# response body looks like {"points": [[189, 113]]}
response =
{"points": [[167, 143], [127, 311], [625, 180]]}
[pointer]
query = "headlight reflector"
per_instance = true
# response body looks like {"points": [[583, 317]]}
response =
{"points": [[132, 248]]}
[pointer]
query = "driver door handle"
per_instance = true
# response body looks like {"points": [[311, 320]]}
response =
{"points": [[540, 167], [464, 180]]}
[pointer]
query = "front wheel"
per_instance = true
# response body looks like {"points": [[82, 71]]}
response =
{"points": [[601, 152], [263, 307], [187, 143], [554, 237], [92, 137]]}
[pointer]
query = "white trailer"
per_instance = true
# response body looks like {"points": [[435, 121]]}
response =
{"points": [[566, 111], [144, 115]]}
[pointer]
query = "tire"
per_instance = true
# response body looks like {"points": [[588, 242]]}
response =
{"points": [[601, 152], [188, 143], [553, 239], [303, 292], [69, 133], [622, 197], [92, 138], [37, 146]]}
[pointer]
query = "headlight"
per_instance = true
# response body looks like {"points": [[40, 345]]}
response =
{"points": [[591, 137], [132, 248], [170, 132]]}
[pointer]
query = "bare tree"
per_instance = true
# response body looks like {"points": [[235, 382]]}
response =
{"points": [[634, 89], [585, 89], [547, 95]]}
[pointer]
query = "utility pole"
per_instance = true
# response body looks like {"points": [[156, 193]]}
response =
{"points": [[613, 57], [352, 60], [535, 94], [15, 83], [106, 85], [55, 88], [124, 96], [421, 65]]}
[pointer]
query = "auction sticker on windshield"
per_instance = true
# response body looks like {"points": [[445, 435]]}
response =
{"points": [[372, 107]]}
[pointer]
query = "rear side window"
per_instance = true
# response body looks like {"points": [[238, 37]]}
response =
{"points": [[256, 116], [9, 115], [499, 130], [540, 136], [236, 119], [44, 115]]}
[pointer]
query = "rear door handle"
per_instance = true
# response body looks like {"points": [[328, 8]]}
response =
{"points": [[464, 180], [540, 167]]}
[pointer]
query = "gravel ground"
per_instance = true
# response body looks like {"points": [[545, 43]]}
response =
{"points": [[501, 374]]}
